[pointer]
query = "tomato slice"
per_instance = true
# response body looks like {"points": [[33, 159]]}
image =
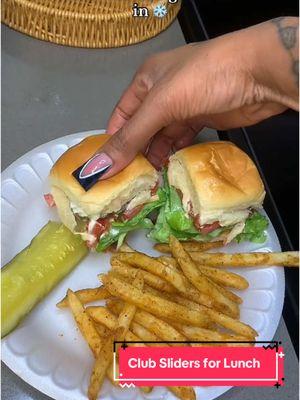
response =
{"points": [[129, 214], [49, 199], [91, 244], [100, 227], [190, 209], [96, 228], [196, 219], [154, 189], [208, 228]]}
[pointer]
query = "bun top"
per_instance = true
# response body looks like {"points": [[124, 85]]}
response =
{"points": [[216, 176], [108, 195]]}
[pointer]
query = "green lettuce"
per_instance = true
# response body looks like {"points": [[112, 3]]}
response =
{"points": [[254, 230], [173, 220], [119, 229]]}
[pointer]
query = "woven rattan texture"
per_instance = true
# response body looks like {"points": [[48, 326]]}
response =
{"points": [[87, 23]]}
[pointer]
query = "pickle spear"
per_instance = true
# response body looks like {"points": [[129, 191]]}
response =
{"points": [[32, 273]]}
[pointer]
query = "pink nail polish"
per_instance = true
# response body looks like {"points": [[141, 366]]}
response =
{"points": [[98, 164]]}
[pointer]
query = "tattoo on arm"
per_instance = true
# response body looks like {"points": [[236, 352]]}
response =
{"points": [[288, 35]]}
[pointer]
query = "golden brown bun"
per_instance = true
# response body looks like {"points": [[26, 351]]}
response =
{"points": [[105, 196], [218, 178]]}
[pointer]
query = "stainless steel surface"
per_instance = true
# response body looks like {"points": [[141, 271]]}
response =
{"points": [[49, 91]]}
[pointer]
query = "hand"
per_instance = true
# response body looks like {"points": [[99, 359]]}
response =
{"points": [[227, 82]]}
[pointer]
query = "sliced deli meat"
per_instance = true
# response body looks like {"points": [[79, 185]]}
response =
{"points": [[49, 199]]}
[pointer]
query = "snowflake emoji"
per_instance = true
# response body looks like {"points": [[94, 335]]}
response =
{"points": [[160, 11]]}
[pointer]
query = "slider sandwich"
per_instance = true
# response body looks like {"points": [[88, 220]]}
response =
{"points": [[112, 207], [213, 192]]}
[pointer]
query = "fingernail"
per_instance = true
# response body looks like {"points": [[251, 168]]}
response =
{"points": [[90, 172], [96, 165]]}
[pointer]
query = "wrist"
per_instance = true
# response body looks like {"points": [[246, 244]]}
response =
{"points": [[274, 60]]}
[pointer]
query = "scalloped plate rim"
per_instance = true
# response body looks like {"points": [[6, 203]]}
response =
{"points": [[27, 374]]}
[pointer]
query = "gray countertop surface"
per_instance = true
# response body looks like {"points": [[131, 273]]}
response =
{"points": [[49, 91]]}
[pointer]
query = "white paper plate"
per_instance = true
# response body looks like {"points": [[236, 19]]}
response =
{"points": [[46, 350]]}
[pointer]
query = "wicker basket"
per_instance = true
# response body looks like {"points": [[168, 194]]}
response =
{"points": [[87, 23]]}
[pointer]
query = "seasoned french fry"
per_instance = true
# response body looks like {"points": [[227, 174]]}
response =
{"points": [[103, 316], [199, 280], [219, 276], [155, 292], [110, 374], [174, 298], [170, 298], [86, 326], [225, 278], [144, 333], [152, 265], [221, 319], [183, 392], [146, 389], [171, 262], [162, 247], [194, 294], [102, 330], [227, 293], [232, 324], [86, 296], [156, 305], [284, 259], [191, 292], [201, 334], [125, 248], [101, 364], [168, 260], [127, 313], [185, 302], [84, 323], [155, 281], [190, 246], [155, 325]]}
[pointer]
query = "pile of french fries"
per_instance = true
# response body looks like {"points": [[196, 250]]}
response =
{"points": [[181, 297]]}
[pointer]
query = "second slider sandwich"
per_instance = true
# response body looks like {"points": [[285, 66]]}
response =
{"points": [[110, 209], [213, 192]]}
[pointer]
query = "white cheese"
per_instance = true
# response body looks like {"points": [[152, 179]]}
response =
{"points": [[142, 198], [91, 225], [225, 218], [87, 237], [77, 210], [236, 230]]}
